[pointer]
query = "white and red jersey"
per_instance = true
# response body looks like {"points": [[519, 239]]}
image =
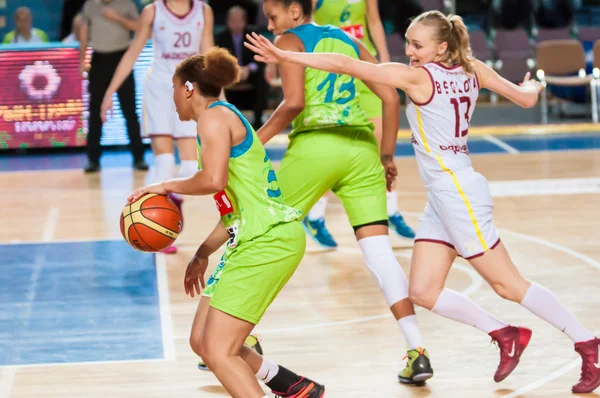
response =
{"points": [[174, 39], [440, 126]]}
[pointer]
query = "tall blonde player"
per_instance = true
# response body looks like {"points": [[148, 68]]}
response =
{"points": [[361, 19], [443, 82], [179, 29]]}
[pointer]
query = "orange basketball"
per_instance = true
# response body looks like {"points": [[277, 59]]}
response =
{"points": [[152, 223]]}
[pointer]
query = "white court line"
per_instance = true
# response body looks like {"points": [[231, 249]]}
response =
{"points": [[37, 242], [7, 379], [540, 382], [501, 144], [586, 259], [53, 364], [166, 322], [50, 225]]}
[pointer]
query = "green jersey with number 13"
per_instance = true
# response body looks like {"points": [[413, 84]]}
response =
{"points": [[331, 100]]}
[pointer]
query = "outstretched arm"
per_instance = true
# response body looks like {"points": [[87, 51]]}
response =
{"points": [[391, 74], [524, 94], [292, 82]]}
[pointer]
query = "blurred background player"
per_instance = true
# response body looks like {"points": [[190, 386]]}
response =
{"points": [[179, 29], [332, 148], [361, 19]]}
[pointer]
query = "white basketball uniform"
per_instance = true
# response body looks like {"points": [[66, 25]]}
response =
{"points": [[174, 39], [459, 206]]}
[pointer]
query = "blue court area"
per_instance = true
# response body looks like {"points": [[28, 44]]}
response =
{"points": [[477, 145], [76, 302]]}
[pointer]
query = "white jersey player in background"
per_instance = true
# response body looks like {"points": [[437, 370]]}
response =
{"points": [[442, 83], [179, 29]]}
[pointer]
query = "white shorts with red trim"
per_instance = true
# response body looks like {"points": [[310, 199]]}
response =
{"points": [[159, 116], [458, 214]]}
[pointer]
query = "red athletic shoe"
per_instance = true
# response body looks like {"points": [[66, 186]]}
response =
{"points": [[512, 341], [590, 366]]}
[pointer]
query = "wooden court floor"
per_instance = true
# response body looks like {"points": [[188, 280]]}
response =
{"points": [[330, 322]]}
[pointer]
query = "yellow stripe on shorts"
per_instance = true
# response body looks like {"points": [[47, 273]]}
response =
{"points": [[456, 183]]}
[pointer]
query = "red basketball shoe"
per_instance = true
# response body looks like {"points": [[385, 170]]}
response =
{"points": [[590, 366], [512, 341]]}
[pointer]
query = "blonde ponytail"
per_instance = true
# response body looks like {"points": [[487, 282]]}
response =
{"points": [[452, 30]]}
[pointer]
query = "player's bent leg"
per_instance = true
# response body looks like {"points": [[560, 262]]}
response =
{"points": [[497, 269], [198, 325], [252, 341], [280, 380], [220, 348], [377, 251], [430, 264]]}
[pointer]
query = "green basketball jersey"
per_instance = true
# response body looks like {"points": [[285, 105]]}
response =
{"points": [[251, 203], [330, 100], [350, 15]]}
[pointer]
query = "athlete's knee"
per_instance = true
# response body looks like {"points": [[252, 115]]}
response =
{"points": [[210, 352], [510, 289], [195, 340], [216, 349], [423, 295]]}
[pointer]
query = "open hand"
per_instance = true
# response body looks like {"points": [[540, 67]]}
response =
{"points": [[195, 272], [265, 50], [391, 172]]}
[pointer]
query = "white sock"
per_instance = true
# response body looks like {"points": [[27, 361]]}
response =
{"points": [[150, 176], [392, 202], [164, 167], [411, 331], [318, 210], [543, 303], [457, 306], [268, 370], [187, 168]]}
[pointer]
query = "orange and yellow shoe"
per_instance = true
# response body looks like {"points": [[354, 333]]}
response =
{"points": [[418, 368]]}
